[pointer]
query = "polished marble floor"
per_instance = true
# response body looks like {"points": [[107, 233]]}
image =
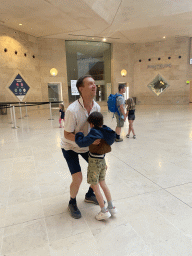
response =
{"points": [[150, 179]]}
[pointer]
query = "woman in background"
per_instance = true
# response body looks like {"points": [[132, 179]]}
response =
{"points": [[131, 116]]}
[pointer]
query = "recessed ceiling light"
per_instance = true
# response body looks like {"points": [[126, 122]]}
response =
{"points": [[20, 24], [92, 37], [164, 37], [104, 39]]}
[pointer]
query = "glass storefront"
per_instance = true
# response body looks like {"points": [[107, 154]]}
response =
{"points": [[89, 58]]}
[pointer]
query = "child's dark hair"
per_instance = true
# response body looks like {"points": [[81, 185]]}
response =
{"points": [[95, 118]]}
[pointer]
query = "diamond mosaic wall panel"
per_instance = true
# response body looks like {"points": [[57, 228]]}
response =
{"points": [[158, 85]]}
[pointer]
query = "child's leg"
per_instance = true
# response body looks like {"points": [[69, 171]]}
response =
{"points": [[131, 122], [105, 190], [129, 130], [98, 195], [107, 193], [60, 122]]}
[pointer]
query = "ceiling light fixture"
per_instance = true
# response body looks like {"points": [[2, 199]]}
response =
{"points": [[164, 37], [104, 39], [20, 24]]}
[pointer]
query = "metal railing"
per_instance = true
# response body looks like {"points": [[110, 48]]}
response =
{"points": [[12, 105]]}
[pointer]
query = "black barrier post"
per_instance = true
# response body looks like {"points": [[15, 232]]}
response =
{"points": [[14, 119], [50, 112], [26, 110], [20, 111]]}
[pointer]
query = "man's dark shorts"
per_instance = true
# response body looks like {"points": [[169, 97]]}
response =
{"points": [[72, 159]]}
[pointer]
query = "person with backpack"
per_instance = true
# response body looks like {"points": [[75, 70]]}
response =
{"points": [[120, 113]]}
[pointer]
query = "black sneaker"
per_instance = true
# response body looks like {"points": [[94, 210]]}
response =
{"points": [[91, 199], [74, 211]]}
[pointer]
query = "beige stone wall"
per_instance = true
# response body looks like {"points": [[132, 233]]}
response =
{"points": [[52, 54], [121, 58], [176, 75], [12, 64], [49, 53]]}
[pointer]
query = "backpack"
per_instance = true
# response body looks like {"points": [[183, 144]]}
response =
{"points": [[111, 103]]}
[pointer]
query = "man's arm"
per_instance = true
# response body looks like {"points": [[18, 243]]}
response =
{"points": [[123, 111], [69, 135]]}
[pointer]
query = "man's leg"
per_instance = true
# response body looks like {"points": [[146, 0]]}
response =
{"points": [[75, 184], [72, 160], [118, 128]]}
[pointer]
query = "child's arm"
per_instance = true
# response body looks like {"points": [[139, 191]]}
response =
{"points": [[86, 141]]}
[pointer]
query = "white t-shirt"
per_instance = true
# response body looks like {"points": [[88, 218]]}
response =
{"points": [[75, 120]]}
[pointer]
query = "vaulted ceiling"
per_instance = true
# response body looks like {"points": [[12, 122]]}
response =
{"points": [[123, 21]]}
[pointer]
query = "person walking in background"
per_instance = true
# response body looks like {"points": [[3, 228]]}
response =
{"points": [[75, 121], [131, 116], [121, 116], [97, 166], [62, 115]]}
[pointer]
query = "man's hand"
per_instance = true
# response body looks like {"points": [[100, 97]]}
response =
{"points": [[96, 142]]}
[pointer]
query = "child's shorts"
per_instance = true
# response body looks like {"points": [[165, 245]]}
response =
{"points": [[96, 170]]}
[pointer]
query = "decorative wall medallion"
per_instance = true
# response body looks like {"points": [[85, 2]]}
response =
{"points": [[158, 85]]}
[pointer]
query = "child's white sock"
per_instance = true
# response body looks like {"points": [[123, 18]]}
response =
{"points": [[103, 209]]}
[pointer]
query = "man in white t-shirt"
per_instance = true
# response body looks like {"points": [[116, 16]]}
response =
{"points": [[76, 120]]}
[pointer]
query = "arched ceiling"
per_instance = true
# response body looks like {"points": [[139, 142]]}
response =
{"points": [[123, 21]]}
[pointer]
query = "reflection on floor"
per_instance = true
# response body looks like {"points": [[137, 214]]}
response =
{"points": [[150, 179]]}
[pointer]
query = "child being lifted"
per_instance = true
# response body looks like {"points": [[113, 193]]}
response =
{"points": [[96, 163]]}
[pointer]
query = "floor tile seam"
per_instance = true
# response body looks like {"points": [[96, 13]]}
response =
{"points": [[46, 230], [180, 231], [38, 246], [146, 245], [178, 199], [27, 221], [68, 236], [6, 214], [139, 172], [168, 222], [150, 192], [179, 185], [89, 229], [41, 218]]}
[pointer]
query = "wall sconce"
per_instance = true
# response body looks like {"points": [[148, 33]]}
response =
{"points": [[123, 72], [53, 72]]}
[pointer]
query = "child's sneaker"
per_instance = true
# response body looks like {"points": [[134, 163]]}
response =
{"points": [[113, 210], [127, 136], [103, 215], [134, 136]]}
